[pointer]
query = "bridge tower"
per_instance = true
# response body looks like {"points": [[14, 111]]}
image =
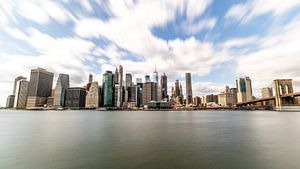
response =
{"points": [[282, 87]]}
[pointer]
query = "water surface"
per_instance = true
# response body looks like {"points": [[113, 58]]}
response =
{"points": [[160, 140]]}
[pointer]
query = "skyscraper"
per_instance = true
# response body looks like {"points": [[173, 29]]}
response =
{"points": [[139, 80], [244, 89], [116, 76], [75, 97], [128, 80], [21, 93], [61, 86], [10, 101], [16, 81], [177, 88], [108, 89], [93, 96], [120, 90], [189, 92], [164, 86], [39, 88], [149, 92]]}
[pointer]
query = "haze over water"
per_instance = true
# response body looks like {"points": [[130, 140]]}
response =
{"points": [[161, 140]]}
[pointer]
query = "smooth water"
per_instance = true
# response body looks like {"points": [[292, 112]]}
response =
{"points": [[142, 140]]}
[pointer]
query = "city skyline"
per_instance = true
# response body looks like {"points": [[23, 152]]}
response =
{"points": [[218, 42]]}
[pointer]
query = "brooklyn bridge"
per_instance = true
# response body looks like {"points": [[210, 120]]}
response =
{"points": [[284, 98]]}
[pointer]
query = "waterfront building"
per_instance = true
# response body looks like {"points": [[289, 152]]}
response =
{"points": [[75, 97], [62, 84], [266, 92], [228, 97], [244, 89], [39, 88], [158, 105], [139, 94], [50, 101], [10, 101], [116, 90], [15, 83], [164, 86], [159, 93], [108, 89], [93, 96], [21, 93], [149, 92], [210, 99], [197, 101], [189, 91]]}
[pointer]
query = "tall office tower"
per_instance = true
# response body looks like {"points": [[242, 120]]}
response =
{"points": [[93, 96], [132, 90], [147, 79], [116, 90], [139, 80], [16, 81], [62, 85], [21, 93], [155, 76], [233, 92], [149, 92], [189, 92], [266, 92], [128, 80], [159, 93], [120, 91], [39, 88], [108, 89], [139, 94], [177, 88], [244, 89], [75, 97], [10, 101], [116, 76], [164, 86]]}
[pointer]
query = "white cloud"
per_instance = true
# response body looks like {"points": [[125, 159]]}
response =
{"points": [[239, 42], [194, 28], [244, 12]]}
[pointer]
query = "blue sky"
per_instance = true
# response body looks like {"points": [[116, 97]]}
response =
{"points": [[217, 41]]}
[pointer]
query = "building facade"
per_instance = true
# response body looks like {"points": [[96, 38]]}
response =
{"points": [[93, 96], [244, 89], [75, 97], [266, 92], [10, 101], [189, 91], [61, 86], [39, 88], [108, 89], [164, 86], [149, 92], [21, 94]]}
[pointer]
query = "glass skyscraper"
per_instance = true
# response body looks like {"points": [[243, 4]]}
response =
{"points": [[60, 89], [108, 89]]}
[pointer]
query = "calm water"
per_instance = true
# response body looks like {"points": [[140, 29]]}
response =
{"points": [[160, 140]]}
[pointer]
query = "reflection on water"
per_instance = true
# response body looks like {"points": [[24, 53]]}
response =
{"points": [[176, 140]]}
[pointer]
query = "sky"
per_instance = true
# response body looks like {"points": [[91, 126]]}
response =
{"points": [[217, 41]]}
